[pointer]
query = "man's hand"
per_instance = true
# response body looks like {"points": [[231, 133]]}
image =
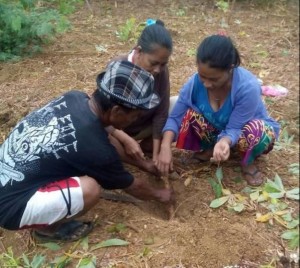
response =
{"points": [[133, 148], [141, 189]]}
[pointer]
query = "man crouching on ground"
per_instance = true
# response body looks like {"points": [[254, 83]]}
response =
{"points": [[53, 161]]}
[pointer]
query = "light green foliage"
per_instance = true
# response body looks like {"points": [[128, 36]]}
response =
{"points": [[275, 189], [9, 260], [26, 25], [293, 237], [222, 5], [130, 30], [235, 202], [180, 12], [216, 184], [117, 228], [294, 169], [285, 140], [89, 262], [191, 52]]}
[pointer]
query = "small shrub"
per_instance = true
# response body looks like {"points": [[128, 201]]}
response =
{"points": [[26, 25]]}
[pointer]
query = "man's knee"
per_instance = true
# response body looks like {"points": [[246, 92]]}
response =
{"points": [[91, 191]]}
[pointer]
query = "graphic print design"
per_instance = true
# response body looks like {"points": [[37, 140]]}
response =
{"points": [[40, 134]]}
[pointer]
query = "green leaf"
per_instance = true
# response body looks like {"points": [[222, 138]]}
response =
{"points": [[85, 243], [288, 235], [44, 29], [38, 261], [271, 187], [217, 188], [293, 191], [219, 202], [254, 196], [16, 24], [278, 181], [293, 237], [294, 243], [276, 195], [219, 174], [25, 259], [287, 217], [110, 243], [293, 224], [239, 207], [51, 245], [88, 263], [292, 196]]}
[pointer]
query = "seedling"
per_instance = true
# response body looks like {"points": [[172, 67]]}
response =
{"points": [[293, 237], [235, 202], [222, 5], [275, 189], [284, 141], [130, 30], [294, 169]]}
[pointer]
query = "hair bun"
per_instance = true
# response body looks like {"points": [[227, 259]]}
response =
{"points": [[152, 21], [160, 22]]}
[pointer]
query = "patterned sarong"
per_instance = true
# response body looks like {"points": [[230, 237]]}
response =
{"points": [[197, 134]]}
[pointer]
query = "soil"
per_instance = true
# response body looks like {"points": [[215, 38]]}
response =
{"points": [[267, 37]]}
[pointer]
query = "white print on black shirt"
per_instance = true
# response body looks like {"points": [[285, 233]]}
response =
{"points": [[39, 134]]}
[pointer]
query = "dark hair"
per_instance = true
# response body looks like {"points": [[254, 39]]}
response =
{"points": [[219, 52], [155, 34], [105, 103]]}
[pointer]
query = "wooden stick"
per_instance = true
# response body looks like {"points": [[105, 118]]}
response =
{"points": [[170, 207]]}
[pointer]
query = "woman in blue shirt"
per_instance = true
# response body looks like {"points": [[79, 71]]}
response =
{"points": [[218, 108]]}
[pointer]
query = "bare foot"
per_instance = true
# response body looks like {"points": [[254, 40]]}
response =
{"points": [[148, 165], [203, 156], [252, 175]]}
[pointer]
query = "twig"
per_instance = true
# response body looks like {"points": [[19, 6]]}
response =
{"points": [[3, 246], [171, 206], [89, 6]]}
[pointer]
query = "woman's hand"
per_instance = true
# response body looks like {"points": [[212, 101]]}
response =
{"points": [[133, 148], [164, 161], [222, 150]]}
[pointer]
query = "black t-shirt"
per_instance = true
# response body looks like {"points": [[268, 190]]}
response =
{"points": [[62, 139]]}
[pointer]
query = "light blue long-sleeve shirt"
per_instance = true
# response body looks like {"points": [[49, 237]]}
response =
{"points": [[246, 104]]}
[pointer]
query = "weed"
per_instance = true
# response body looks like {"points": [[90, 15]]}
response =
{"points": [[284, 140], [130, 30], [222, 5], [191, 52]]}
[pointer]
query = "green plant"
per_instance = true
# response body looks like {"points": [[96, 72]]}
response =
{"points": [[9, 260], [275, 189], [26, 25], [284, 141], [222, 5], [180, 12], [294, 169], [216, 183], [293, 237], [130, 30], [235, 202], [191, 52], [67, 6]]}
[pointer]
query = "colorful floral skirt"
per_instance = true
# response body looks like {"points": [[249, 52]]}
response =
{"points": [[197, 134]]}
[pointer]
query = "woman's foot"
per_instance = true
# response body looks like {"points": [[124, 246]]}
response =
{"points": [[252, 175], [203, 156]]}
